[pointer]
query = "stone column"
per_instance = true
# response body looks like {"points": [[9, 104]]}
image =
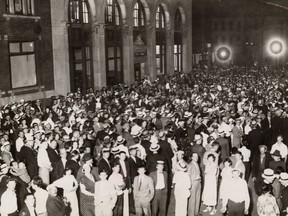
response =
{"points": [[60, 48], [128, 55], [99, 62], [169, 51], [151, 52]]}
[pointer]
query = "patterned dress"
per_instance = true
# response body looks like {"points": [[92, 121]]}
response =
{"points": [[267, 206], [87, 207]]}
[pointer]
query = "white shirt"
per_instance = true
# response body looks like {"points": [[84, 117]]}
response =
{"points": [[280, 147], [246, 153], [117, 180], [8, 203], [19, 144], [43, 159], [238, 192], [182, 184], [41, 197], [160, 181]]}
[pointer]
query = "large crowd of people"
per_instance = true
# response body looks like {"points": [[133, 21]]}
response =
{"points": [[158, 147]]}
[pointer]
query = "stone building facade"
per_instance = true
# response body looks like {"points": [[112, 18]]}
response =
{"points": [[58, 46]]}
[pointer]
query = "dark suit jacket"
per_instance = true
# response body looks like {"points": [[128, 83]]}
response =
{"points": [[103, 165], [256, 172], [25, 211], [153, 175], [254, 139], [167, 152], [152, 162], [53, 156], [29, 157], [55, 206], [133, 166], [59, 170]]}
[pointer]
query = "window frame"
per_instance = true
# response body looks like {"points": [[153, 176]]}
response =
{"points": [[27, 7], [139, 18], [76, 15], [22, 53]]}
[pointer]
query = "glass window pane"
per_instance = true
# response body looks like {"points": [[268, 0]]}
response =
{"points": [[157, 63], [14, 47], [23, 70], [78, 67], [157, 49], [77, 54], [28, 47], [118, 52], [111, 65], [110, 52], [18, 6], [88, 68], [119, 64], [87, 49]]}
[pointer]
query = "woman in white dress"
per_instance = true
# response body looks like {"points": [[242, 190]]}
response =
{"points": [[226, 175], [209, 196], [69, 185]]}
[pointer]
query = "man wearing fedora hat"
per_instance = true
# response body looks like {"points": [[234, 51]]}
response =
{"points": [[154, 157], [104, 163], [276, 162], [284, 193], [254, 138]]}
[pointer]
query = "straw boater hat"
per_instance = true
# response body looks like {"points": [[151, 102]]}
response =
{"points": [[120, 140], [283, 177], [154, 147], [268, 173]]}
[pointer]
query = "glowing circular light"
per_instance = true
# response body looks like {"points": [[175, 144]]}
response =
{"points": [[276, 47], [223, 53]]}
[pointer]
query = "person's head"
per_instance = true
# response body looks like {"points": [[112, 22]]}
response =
{"points": [[68, 171], [198, 139], [53, 144], [52, 190], [75, 145], [283, 178], [103, 175], [262, 149], [87, 168], [63, 153], [30, 200], [238, 156], [105, 153], [133, 151], [227, 162], [36, 182], [180, 155], [268, 175], [279, 138], [75, 155], [14, 165], [21, 134], [211, 158], [141, 170], [160, 165], [11, 184], [266, 189], [195, 157], [116, 168], [122, 155]]}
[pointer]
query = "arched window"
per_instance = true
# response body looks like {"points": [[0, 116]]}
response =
{"points": [[178, 47], [160, 40], [78, 11], [80, 45], [138, 15], [113, 39]]}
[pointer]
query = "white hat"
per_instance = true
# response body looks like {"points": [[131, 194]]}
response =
{"points": [[154, 147], [268, 173], [197, 137], [120, 139], [283, 177]]}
